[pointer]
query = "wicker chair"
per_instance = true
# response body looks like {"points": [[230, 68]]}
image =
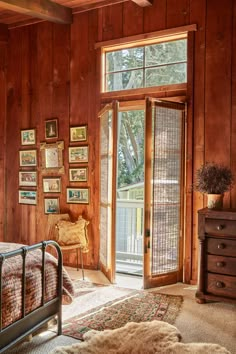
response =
{"points": [[72, 237]]}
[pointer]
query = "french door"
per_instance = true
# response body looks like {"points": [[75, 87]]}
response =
{"points": [[108, 148], [164, 193], [163, 182]]}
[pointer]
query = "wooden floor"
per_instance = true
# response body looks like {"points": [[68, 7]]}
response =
{"points": [[96, 276]]}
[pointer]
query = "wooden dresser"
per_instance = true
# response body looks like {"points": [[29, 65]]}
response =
{"points": [[217, 255]]}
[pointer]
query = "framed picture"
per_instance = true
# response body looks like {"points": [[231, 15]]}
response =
{"points": [[78, 133], [51, 206], [28, 197], [77, 195], [51, 128], [28, 137], [52, 185], [28, 178], [52, 157], [78, 154], [28, 158], [78, 174]]}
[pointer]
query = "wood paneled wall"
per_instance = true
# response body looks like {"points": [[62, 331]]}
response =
{"points": [[53, 71], [3, 100]]}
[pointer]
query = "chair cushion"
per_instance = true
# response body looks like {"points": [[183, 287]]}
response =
{"points": [[70, 233]]}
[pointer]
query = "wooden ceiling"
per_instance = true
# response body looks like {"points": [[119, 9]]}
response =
{"points": [[16, 13]]}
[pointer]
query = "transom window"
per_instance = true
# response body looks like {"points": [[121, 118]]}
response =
{"points": [[155, 64]]}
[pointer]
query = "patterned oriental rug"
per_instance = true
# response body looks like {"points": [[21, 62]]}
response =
{"points": [[137, 306]]}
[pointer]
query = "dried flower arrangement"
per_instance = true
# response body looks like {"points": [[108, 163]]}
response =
{"points": [[213, 178]]}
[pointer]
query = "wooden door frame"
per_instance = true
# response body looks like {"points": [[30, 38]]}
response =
{"points": [[110, 271]]}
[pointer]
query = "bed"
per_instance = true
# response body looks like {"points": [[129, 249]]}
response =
{"points": [[33, 286]]}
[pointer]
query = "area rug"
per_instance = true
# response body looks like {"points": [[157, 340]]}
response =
{"points": [[137, 306]]}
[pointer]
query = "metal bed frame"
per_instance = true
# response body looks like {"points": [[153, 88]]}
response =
{"points": [[29, 323]]}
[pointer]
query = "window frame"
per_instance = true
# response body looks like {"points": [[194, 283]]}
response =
{"points": [[144, 67], [135, 44]]}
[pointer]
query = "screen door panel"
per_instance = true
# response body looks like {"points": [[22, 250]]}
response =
{"points": [[165, 206], [167, 174]]}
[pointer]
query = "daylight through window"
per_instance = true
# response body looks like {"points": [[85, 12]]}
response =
{"points": [[156, 64]]}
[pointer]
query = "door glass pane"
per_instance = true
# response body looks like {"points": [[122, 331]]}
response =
{"points": [[166, 190], [130, 192]]}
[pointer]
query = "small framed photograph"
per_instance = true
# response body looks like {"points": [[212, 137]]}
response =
{"points": [[52, 157], [28, 197], [52, 185], [77, 195], [51, 128], [51, 206], [78, 133], [78, 174], [28, 158], [78, 154], [28, 137], [28, 178]]}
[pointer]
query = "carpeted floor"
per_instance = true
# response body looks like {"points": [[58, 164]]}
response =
{"points": [[211, 322]]}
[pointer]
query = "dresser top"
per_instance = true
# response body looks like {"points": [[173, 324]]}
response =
{"points": [[229, 214]]}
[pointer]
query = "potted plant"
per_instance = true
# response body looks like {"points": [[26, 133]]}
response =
{"points": [[214, 180]]}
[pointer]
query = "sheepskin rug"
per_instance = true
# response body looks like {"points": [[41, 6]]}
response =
{"points": [[139, 338]]}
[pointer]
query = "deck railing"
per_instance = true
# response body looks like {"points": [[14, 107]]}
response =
{"points": [[129, 236]]}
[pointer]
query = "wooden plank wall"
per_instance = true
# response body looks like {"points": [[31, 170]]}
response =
{"points": [[3, 99], [53, 71]]}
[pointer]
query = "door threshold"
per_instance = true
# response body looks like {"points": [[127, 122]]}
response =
{"points": [[130, 274], [129, 281]]}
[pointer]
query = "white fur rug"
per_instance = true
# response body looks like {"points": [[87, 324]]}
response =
{"points": [[139, 338]]}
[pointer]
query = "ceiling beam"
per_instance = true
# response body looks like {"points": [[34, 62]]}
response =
{"points": [[143, 3], [43, 9], [95, 5]]}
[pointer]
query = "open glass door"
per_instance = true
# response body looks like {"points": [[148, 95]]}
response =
{"points": [[130, 187], [163, 194], [108, 147]]}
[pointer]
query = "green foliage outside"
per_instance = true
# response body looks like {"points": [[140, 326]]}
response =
{"points": [[152, 65], [131, 148]]}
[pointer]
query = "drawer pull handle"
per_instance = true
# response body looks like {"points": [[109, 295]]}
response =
{"points": [[221, 246], [220, 264], [219, 284], [220, 227]]}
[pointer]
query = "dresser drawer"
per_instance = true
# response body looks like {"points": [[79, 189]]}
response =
{"points": [[221, 265], [221, 246], [220, 227], [221, 285]]}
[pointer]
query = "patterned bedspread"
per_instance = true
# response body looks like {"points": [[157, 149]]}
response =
{"points": [[12, 280]]}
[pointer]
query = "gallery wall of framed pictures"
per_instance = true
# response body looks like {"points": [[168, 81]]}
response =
{"points": [[52, 167], [28, 161], [78, 157]]}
